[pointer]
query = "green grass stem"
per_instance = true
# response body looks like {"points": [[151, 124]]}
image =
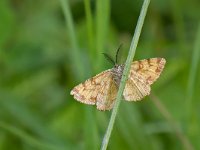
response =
{"points": [[192, 120], [102, 25], [90, 28], [72, 36], [192, 73], [130, 57], [90, 134]]}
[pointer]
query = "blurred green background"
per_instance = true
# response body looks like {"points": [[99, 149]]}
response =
{"points": [[48, 47]]}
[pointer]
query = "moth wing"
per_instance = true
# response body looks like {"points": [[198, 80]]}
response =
{"points": [[107, 94], [135, 88], [149, 69], [99, 90]]}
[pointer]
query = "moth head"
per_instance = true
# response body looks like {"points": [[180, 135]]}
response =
{"points": [[119, 68]]}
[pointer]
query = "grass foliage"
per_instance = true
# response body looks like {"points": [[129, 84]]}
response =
{"points": [[126, 71]]}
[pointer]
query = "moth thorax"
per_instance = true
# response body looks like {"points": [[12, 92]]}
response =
{"points": [[117, 73]]}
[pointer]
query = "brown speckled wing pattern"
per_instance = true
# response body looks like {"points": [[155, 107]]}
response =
{"points": [[101, 90]]}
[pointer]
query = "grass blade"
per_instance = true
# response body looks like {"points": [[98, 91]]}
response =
{"points": [[90, 28], [75, 48], [126, 72], [192, 73], [192, 117], [102, 25], [90, 134]]}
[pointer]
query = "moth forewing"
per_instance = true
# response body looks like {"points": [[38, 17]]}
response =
{"points": [[100, 90]]}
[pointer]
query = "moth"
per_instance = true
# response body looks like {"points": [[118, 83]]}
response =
{"points": [[101, 90]]}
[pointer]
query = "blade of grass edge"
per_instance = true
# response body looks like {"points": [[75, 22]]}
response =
{"points": [[126, 72], [75, 48], [90, 29], [90, 141], [102, 24], [102, 19], [191, 83]]}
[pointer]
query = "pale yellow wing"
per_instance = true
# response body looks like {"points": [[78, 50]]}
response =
{"points": [[142, 74], [136, 87], [107, 95], [100, 90], [149, 69]]}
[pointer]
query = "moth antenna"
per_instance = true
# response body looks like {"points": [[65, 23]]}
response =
{"points": [[109, 58], [117, 52]]}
